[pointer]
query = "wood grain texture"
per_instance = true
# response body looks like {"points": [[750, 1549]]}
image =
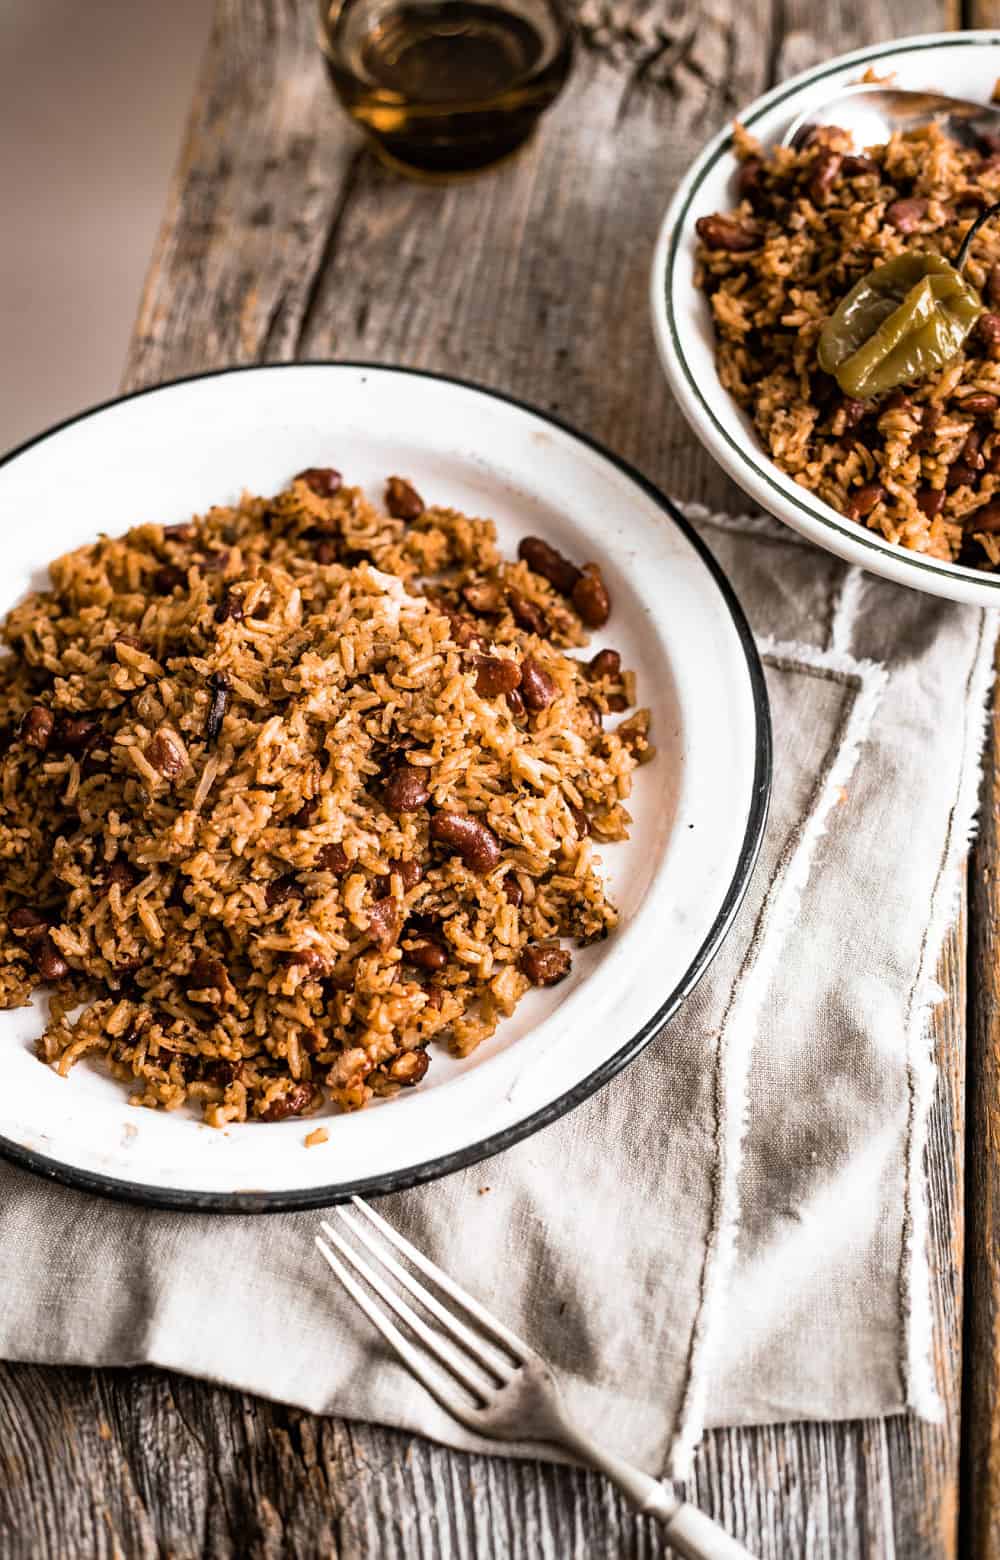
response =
{"points": [[981, 1393], [980, 1482], [285, 238]]}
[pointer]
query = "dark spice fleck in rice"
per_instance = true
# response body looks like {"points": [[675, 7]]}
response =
{"points": [[298, 787]]}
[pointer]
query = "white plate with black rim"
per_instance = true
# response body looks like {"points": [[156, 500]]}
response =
{"points": [[698, 810], [964, 65]]}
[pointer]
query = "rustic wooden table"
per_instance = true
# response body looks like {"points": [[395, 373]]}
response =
{"points": [[284, 238]]}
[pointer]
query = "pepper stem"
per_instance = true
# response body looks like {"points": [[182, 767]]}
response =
{"points": [[981, 220]]}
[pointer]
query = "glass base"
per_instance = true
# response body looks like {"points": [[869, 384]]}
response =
{"points": [[443, 173]]}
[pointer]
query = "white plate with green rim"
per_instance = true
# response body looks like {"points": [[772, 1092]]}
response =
{"points": [[698, 810], [962, 64]]}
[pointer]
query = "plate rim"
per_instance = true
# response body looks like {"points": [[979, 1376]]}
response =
{"points": [[191, 1201], [752, 468]]}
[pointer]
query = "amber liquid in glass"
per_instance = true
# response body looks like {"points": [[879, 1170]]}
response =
{"points": [[449, 87]]}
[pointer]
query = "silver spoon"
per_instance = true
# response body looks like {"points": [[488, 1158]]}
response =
{"points": [[872, 112]]}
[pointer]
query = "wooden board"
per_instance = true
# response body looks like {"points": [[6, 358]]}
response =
{"points": [[283, 238]]}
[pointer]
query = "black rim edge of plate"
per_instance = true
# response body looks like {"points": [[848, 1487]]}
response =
{"points": [[166, 1198]]}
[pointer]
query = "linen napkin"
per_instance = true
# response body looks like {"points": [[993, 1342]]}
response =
{"points": [[733, 1230]]}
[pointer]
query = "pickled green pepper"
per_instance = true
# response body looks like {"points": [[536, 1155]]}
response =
{"points": [[901, 322]]}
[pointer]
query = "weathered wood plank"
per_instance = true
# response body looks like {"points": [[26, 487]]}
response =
{"points": [[980, 1524], [981, 1393], [283, 237]]}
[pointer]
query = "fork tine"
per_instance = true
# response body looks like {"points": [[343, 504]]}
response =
{"points": [[428, 1337], [486, 1355], [450, 1402], [517, 1346]]}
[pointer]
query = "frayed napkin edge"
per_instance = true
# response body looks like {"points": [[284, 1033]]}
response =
{"points": [[776, 918]]}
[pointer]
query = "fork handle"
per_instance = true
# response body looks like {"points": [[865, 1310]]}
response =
{"points": [[697, 1537], [690, 1532]]}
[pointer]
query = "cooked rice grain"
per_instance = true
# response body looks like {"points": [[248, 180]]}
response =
{"points": [[225, 748], [921, 464]]}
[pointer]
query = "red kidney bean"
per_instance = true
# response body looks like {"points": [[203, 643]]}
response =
{"points": [[495, 675], [959, 475], [49, 962], [321, 480], [863, 500], [402, 500], [971, 454], [463, 630], [749, 180], [580, 820], [213, 562], [853, 411], [513, 891], [730, 233], [33, 930], [545, 964], [221, 1071], [550, 564], [606, 663], [28, 924], [76, 733], [311, 960], [164, 755], [987, 334], [471, 839], [825, 170], [986, 519], [230, 608], [527, 614], [298, 1099], [122, 874], [333, 858], [855, 167], [406, 790], [537, 688], [925, 438], [515, 703], [36, 727], [408, 872], [590, 597], [930, 501], [207, 974], [427, 954], [280, 889], [325, 552], [168, 579], [982, 404], [906, 215]]}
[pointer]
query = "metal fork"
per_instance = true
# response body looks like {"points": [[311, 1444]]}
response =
{"points": [[490, 1380]]}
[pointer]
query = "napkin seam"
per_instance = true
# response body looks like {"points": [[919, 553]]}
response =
{"points": [[774, 920]]}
